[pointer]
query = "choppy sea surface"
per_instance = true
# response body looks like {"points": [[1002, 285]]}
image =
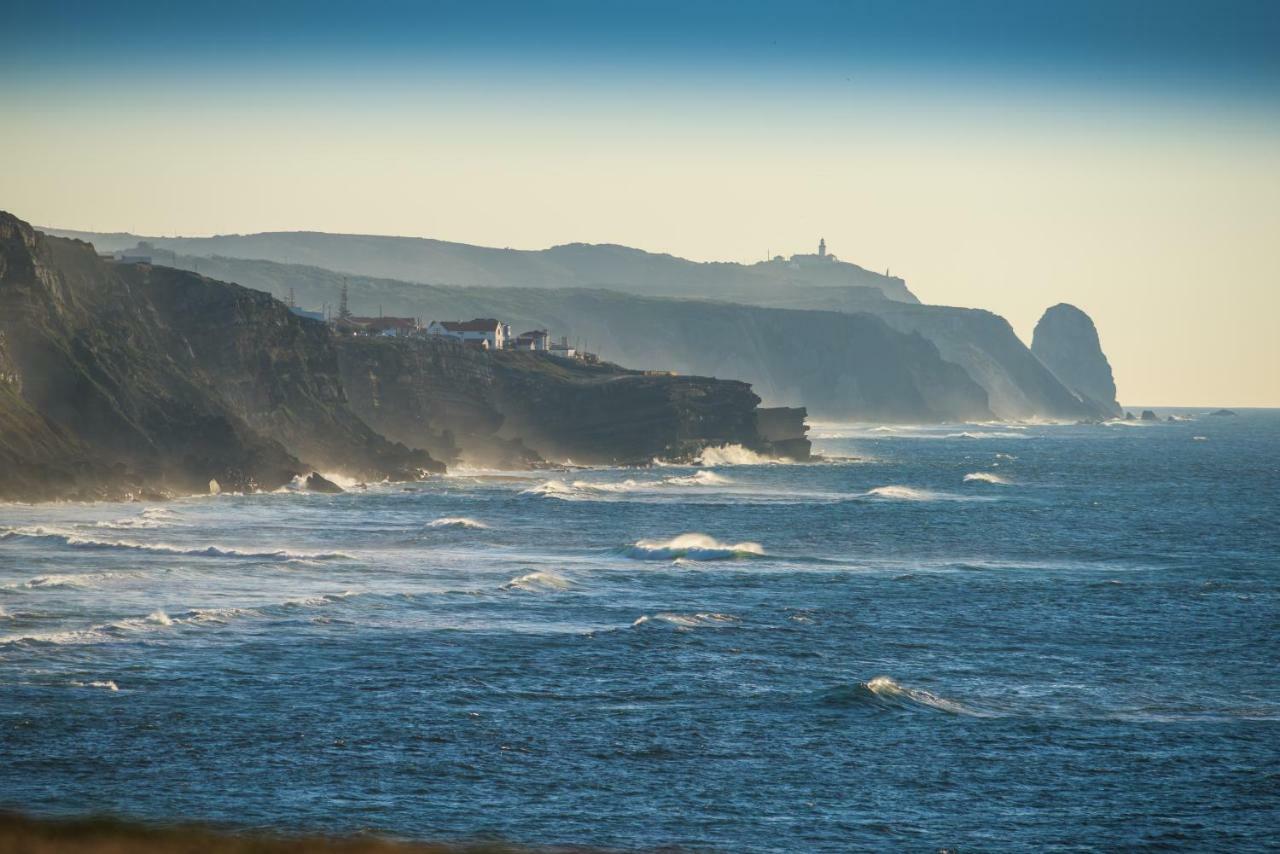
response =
{"points": [[984, 637]]}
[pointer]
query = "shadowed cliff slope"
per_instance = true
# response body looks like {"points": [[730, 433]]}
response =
{"points": [[127, 377]]}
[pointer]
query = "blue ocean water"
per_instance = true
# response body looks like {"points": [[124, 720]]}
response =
{"points": [[988, 637]]}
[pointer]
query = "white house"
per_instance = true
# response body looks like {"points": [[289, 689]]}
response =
{"points": [[487, 329]]}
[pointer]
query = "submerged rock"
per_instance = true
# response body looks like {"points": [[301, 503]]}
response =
{"points": [[1224, 412], [317, 482]]}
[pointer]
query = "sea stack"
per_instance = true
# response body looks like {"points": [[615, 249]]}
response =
{"points": [[1066, 341]]}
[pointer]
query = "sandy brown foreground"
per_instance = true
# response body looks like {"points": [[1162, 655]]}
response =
{"points": [[24, 835]]}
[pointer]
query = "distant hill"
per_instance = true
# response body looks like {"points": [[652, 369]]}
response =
{"points": [[826, 353], [573, 265]]}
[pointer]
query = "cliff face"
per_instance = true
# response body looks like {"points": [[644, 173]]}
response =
{"points": [[503, 407], [118, 378], [838, 364], [1066, 341], [278, 371], [93, 402]]}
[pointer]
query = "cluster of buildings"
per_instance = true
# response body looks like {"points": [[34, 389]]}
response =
{"points": [[482, 333]]}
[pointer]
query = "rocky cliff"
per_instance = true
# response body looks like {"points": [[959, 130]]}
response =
{"points": [[102, 386], [507, 408], [1066, 341], [838, 364]]}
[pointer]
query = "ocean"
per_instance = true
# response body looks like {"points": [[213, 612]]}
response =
{"points": [[978, 637]]}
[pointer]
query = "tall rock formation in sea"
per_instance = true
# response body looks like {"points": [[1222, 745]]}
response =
{"points": [[1066, 341]]}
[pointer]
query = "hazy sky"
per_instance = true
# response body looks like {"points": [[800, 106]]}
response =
{"points": [[1122, 156]]}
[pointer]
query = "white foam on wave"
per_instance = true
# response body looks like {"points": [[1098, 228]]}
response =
{"points": [[705, 477], [74, 540], [105, 684], [903, 493], [78, 580], [985, 477], [683, 622], [985, 434], [151, 517], [455, 522], [886, 693], [735, 455], [694, 546], [539, 582]]}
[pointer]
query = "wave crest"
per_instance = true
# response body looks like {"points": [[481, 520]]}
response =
{"points": [[538, 582], [985, 477], [695, 547], [684, 622], [884, 694], [455, 522], [733, 455], [73, 540]]}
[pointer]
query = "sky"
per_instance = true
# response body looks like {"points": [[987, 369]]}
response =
{"points": [[1122, 156]]}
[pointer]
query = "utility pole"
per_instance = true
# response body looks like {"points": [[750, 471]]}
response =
{"points": [[343, 311]]}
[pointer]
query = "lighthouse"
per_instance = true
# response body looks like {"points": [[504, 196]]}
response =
{"points": [[822, 247]]}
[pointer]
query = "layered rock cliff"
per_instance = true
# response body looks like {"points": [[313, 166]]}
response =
{"points": [[102, 393], [506, 408]]}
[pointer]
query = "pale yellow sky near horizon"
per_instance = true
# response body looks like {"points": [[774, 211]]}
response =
{"points": [[1163, 230]]}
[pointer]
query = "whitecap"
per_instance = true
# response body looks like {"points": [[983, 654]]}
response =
{"points": [[106, 684], [74, 540], [455, 522], [80, 580], [705, 477], [985, 477], [694, 546], [683, 622], [884, 693], [539, 582], [734, 455]]}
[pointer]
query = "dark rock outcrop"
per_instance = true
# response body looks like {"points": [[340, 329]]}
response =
{"points": [[317, 482], [1066, 341], [1221, 412], [1148, 415]]}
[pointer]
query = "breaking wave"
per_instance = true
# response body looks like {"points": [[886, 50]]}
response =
{"points": [[883, 693], [698, 478], [455, 522], [695, 547], [985, 477], [75, 541], [683, 622], [80, 580], [733, 455], [910, 493], [106, 684], [538, 582]]}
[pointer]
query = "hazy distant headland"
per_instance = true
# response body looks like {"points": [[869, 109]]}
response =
{"points": [[805, 330]]}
